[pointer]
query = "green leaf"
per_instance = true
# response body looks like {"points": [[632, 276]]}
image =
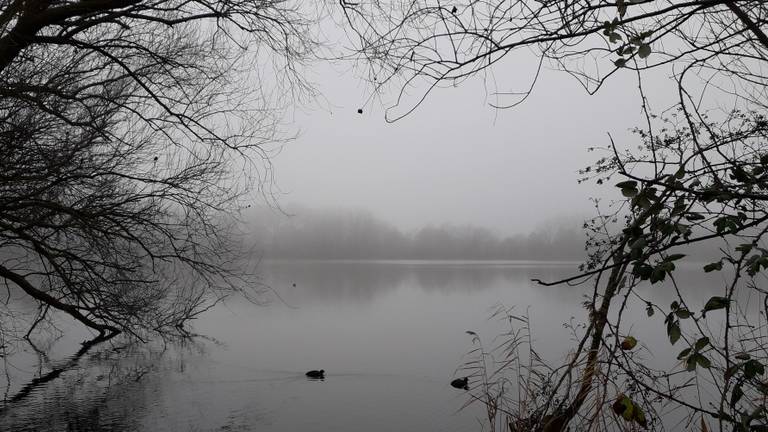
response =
{"points": [[628, 188], [703, 361], [649, 309], [753, 368], [639, 417], [736, 395], [625, 50], [738, 174], [690, 364], [715, 266], [638, 244], [701, 343], [673, 330], [629, 413], [683, 313], [628, 343], [642, 270], [684, 353], [658, 274], [627, 409], [680, 173], [621, 404], [620, 62], [715, 303], [644, 51], [742, 356], [621, 6], [642, 201], [628, 192], [666, 266]]}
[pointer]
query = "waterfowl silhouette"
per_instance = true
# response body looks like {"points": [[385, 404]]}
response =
{"points": [[316, 374], [461, 383]]}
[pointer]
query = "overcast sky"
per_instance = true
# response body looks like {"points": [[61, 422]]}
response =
{"points": [[455, 159]]}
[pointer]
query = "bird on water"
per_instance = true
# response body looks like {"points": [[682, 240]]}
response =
{"points": [[317, 374], [461, 383]]}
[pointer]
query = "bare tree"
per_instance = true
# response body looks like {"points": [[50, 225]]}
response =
{"points": [[130, 133], [700, 175]]}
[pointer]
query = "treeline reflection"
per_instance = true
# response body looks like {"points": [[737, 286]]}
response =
{"points": [[336, 282]]}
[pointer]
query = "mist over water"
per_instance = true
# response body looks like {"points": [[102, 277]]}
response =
{"points": [[304, 233]]}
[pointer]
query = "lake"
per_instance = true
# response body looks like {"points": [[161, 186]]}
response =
{"points": [[389, 334]]}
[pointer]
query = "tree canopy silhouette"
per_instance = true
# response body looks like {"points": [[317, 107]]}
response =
{"points": [[130, 131], [696, 173]]}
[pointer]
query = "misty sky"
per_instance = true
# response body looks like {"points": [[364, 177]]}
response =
{"points": [[456, 159]]}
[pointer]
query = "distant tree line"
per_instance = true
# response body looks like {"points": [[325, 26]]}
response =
{"points": [[311, 234]]}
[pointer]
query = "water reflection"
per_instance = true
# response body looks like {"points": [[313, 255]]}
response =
{"points": [[99, 391], [389, 335], [362, 281]]}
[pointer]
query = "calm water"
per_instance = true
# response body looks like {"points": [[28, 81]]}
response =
{"points": [[390, 336]]}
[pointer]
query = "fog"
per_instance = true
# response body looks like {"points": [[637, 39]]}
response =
{"points": [[305, 233], [456, 159], [336, 233]]}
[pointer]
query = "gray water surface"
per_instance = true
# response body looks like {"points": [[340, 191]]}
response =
{"points": [[390, 336]]}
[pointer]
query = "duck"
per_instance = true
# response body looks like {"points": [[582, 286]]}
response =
{"points": [[461, 383], [316, 374]]}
